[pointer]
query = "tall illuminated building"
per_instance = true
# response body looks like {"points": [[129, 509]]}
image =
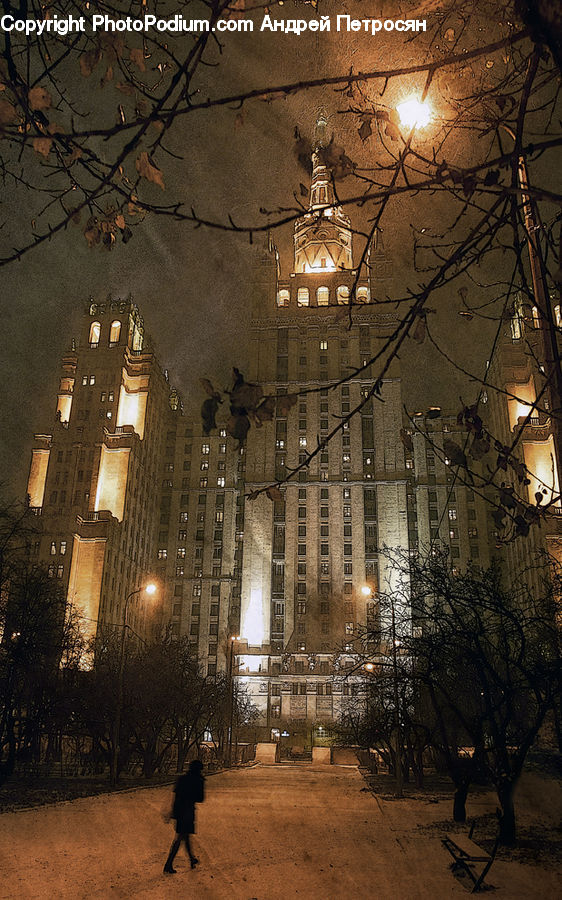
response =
{"points": [[310, 557], [521, 366], [279, 594], [93, 476]]}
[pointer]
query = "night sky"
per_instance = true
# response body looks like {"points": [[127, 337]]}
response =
{"points": [[192, 284]]}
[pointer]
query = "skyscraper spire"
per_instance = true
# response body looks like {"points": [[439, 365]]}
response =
{"points": [[321, 188], [323, 234]]}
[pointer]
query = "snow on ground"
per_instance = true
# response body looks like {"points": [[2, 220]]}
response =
{"points": [[264, 833]]}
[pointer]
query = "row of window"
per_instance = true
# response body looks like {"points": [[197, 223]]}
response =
{"points": [[59, 548], [322, 296], [95, 333]]}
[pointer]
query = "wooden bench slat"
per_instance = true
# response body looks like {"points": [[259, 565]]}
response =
{"points": [[468, 848]]}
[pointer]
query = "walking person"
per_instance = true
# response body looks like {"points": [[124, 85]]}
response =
{"points": [[189, 790]]}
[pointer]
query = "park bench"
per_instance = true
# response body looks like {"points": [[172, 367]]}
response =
{"points": [[468, 857]]}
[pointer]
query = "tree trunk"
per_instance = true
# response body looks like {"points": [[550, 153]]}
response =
{"points": [[182, 753], [507, 817], [419, 768], [7, 767], [459, 802]]}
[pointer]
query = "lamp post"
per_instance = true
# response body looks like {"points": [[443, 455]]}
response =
{"points": [[233, 638], [367, 591], [148, 589]]}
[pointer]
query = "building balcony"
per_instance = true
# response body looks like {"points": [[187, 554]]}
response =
{"points": [[537, 428], [122, 436], [94, 524]]}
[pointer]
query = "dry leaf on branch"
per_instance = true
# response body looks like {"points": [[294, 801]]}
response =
{"points": [[284, 403], [39, 98], [43, 145], [148, 170]]}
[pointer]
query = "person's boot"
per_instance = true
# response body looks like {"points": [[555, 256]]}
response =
{"points": [[193, 860], [169, 869]]}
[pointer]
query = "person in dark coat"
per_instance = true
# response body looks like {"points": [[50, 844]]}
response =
{"points": [[189, 790]]}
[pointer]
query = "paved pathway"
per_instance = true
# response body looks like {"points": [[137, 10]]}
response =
{"points": [[264, 833]]}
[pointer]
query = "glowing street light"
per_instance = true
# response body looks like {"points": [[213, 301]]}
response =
{"points": [[413, 113], [366, 590]]}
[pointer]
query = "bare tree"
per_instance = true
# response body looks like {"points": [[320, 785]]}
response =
{"points": [[488, 661]]}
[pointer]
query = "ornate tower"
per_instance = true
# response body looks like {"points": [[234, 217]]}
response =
{"points": [[323, 235]]}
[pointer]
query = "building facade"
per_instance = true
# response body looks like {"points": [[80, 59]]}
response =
{"points": [[523, 415], [92, 476], [279, 593]]}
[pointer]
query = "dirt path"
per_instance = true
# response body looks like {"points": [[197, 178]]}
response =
{"points": [[263, 834]]}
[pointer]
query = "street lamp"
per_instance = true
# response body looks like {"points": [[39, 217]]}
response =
{"points": [[149, 589], [233, 639], [414, 113]]}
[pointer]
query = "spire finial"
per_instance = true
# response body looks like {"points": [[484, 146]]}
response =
{"points": [[320, 131]]}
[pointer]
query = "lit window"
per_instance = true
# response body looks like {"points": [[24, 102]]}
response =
{"points": [[323, 345], [342, 294], [283, 297], [303, 295], [92, 379], [363, 294], [205, 449], [302, 442], [115, 332], [53, 548], [203, 482], [452, 514], [162, 554], [60, 571], [84, 379], [62, 548], [180, 553], [557, 316], [221, 481], [95, 331], [349, 627], [183, 517], [517, 320], [110, 396], [323, 296]]}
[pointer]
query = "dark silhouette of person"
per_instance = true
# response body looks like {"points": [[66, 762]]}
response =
{"points": [[189, 790]]}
